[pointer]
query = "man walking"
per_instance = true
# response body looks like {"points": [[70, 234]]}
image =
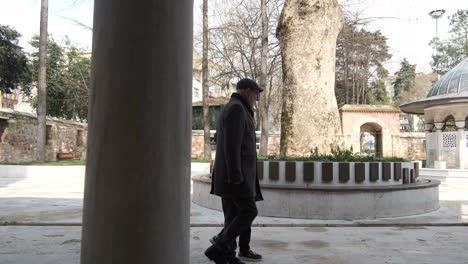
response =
{"points": [[234, 176]]}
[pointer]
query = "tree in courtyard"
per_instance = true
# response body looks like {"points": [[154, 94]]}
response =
{"points": [[405, 88], [41, 83], [378, 91], [243, 45], [14, 69], [450, 52], [406, 77], [263, 80], [307, 33], [68, 77], [360, 55], [205, 87]]}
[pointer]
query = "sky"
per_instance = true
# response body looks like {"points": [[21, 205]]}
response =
{"points": [[405, 23]]}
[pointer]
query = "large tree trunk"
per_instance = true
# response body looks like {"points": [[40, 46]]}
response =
{"points": [[41, 85], [263, 105], [308, 30], [206, 113]]}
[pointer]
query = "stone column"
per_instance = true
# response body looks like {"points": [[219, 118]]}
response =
{"points": [[439, 127], [428, 130], [137, 189], [461, 144], [307, 32]]}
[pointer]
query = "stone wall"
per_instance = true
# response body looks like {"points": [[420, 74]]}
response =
{"points": [[197, 143], [405, 145], [19, 136], [383, 118], [410, 145]]}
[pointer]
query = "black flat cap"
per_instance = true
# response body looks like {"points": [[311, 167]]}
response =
{"points": [[247, 83]]}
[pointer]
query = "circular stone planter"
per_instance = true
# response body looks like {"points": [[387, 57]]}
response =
{"points": [[336, 190]]}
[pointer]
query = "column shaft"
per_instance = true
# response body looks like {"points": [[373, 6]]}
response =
{"points": [[137, 189]]}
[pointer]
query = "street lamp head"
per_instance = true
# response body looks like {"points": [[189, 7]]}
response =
{"points": [[437, 13]]}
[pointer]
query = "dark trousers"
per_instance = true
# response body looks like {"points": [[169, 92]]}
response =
{"points": [[239, 214], [230, 212]]}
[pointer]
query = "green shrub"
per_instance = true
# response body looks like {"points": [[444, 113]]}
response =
{"points": [[337, 154]]}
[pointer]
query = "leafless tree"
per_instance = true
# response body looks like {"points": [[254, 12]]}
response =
{"points": [[263, 78], [205, 87], [235, 51], [41, 85]]}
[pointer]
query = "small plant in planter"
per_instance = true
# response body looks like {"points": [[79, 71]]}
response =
{"points": [[344, 161], [337, 154]]}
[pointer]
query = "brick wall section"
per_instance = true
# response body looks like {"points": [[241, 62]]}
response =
{"points": [[353, 117], [197, 144], [18, 140]]}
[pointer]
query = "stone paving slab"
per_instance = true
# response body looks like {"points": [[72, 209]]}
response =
{"points": [[292, 245], [59, 200]]}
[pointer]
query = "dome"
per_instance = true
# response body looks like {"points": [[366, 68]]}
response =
{"points": [[450, 89], [454, 82]]}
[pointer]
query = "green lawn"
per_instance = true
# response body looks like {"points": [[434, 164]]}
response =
{"points": [[200, 160]]}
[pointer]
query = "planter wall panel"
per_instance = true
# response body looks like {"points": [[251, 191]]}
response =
{"points": [[327, 172], [273, 170], [290, 171], [397, 171], [309, 171], [374, 171], [359, 172], [260, 170], [344, 172], [386, 171]]}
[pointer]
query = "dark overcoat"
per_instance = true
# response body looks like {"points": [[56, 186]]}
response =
{"points": [[235, 166]]}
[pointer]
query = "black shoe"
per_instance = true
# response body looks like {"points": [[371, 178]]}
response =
{"points": [[216, 255], [235, 260], [249, 256]]}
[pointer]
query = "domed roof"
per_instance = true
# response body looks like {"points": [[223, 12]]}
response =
{"points": [[451, 88], [454, 82]]}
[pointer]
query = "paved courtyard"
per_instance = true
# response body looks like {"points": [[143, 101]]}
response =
{"points": [[293, 245], [41, 218]]}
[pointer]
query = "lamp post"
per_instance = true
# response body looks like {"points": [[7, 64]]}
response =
{"points": [[436, 14]]}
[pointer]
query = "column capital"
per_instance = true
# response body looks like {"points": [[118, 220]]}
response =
{"points": [[460, 124], [439, 125], [428, 127]]}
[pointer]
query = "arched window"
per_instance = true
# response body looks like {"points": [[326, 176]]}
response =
{"points": [[449, 124]]}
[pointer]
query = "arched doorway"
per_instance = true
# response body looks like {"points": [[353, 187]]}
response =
{"points": [[371, 139]]}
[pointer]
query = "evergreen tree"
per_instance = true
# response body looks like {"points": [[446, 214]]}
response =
{"points": [[14, 68], [360, 55], [68, 75], [378, 93], [406, 77], [450, 52]]}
